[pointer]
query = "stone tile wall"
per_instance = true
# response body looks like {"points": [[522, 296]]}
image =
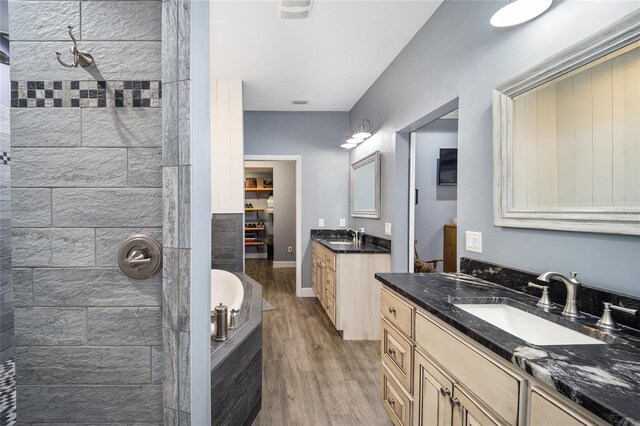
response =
{"points": [[6, 287], [176, 197], [227, 239], [88, 338]]}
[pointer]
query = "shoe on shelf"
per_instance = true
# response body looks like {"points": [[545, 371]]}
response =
{"points": [[250, 205]]}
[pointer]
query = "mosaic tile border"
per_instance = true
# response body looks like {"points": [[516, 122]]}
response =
{"points": [[86, 94], [4, 158]]}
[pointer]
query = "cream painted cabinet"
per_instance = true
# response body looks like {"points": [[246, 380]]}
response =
{"points": [[433, 393], [347, 290], [454, 381]]}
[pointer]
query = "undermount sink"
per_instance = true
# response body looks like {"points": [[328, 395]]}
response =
{"points": [[340, 243], [526, 326]]}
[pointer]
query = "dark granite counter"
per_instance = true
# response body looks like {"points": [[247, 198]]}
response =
{"points": [[372, 244], [604, 379]]}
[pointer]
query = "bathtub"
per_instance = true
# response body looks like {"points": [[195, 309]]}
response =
{"points": [[226, 288]]}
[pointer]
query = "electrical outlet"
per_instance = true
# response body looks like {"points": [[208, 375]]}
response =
{"points": [[290, 249], [321, 223], [343, 222], [387, 229], [473, 241]]}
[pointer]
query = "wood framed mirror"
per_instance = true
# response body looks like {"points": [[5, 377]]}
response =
{"points": [[567, 138], [365, 186]]}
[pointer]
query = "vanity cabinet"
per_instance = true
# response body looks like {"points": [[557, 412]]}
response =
{"points": [[451, 380], [345, 285]]}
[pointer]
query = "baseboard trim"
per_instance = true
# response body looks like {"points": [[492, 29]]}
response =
{"points": [[284, 263], [255, 255], [306, 292]]}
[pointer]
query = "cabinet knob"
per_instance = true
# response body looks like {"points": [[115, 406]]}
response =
{"points": [[391, 401], [454, 401], [392, 352], [392, 310], [445, 391]]}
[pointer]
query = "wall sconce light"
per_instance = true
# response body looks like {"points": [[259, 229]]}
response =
{"points": [[362, 132], [519, 11]]}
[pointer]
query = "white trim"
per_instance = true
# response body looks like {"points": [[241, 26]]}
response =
{"points": [[412, 198], [306, 292], [284, 263], [300, 292]]}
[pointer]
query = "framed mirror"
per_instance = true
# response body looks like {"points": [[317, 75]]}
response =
{"points": [[567, 138], [365, 187]]}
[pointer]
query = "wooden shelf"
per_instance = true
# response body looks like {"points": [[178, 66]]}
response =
{"points": [[257, 243], [258, 189], [253, 209], [270, 212], [254, 229]]}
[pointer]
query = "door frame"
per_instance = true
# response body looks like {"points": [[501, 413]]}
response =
{"points": [[298, 164], [434, 115]]}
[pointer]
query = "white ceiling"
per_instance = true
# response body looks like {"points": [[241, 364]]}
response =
{"points": [[330, 58]]}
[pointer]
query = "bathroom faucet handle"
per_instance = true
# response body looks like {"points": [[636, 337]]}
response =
{"points": [[606, 321], [574, 276], [545, 301], [232, 321]]}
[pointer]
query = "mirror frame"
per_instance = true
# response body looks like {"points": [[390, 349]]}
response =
{"points": [[372, 214], [622, 220]]}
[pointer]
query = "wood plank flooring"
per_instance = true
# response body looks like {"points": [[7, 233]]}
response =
{"points": [[310, 375]]}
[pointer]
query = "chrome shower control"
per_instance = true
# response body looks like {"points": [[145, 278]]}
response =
{"points": [[140, 257]]}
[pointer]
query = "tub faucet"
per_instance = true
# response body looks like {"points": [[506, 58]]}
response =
{"points": [[573, 285]]}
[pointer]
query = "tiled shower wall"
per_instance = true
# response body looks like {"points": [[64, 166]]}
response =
{"points": [[227, 240], [86, 175]]}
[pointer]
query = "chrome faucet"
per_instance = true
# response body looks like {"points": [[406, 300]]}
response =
{"points": [[356, 235], [573, 285]]}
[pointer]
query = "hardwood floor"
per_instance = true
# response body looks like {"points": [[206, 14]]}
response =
{"points": [[310, 375]]}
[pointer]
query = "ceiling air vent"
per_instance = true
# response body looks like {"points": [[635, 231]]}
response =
{"points": [[299, 101], [295, 9]]}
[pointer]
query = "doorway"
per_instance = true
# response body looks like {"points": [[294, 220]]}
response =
{"points": [[273, 212], [433, 195]]}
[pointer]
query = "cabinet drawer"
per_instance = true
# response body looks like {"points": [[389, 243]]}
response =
{"points": [[331, 283], [548, 410], [396, 402], [397, 312], [331, 307], [493, 383], [397, 354], [330, 260]]}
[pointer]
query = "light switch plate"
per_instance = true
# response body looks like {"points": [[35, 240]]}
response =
{"points": [[387, 229], [343, 222], [473, 241], [321, 223]]}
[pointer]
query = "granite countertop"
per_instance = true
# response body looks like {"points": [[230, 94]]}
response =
{"points": [[349, 248], [604, 379], [249, 317]]}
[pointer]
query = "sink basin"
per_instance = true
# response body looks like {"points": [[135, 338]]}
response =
{"points": [[340, 243], [526, 326]]}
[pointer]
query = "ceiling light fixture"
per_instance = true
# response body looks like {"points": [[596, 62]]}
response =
{"points": [[355, 140], [295, 9], [519, 11]]}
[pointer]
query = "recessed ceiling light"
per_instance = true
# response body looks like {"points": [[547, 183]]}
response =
{"points": [[299, 101], [295, 9], [519, 11]]}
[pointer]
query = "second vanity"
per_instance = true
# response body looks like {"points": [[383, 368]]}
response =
{"points": [[343, 281], [441, 365]]}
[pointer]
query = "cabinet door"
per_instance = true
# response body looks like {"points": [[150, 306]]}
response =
{"points": [[432, 394], [548, 410], [469, 411]]}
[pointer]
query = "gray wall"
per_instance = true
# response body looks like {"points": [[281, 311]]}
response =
{"points": [[437, 204], [458, 54], [227, 240], [316, 136], [88, 338]]}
